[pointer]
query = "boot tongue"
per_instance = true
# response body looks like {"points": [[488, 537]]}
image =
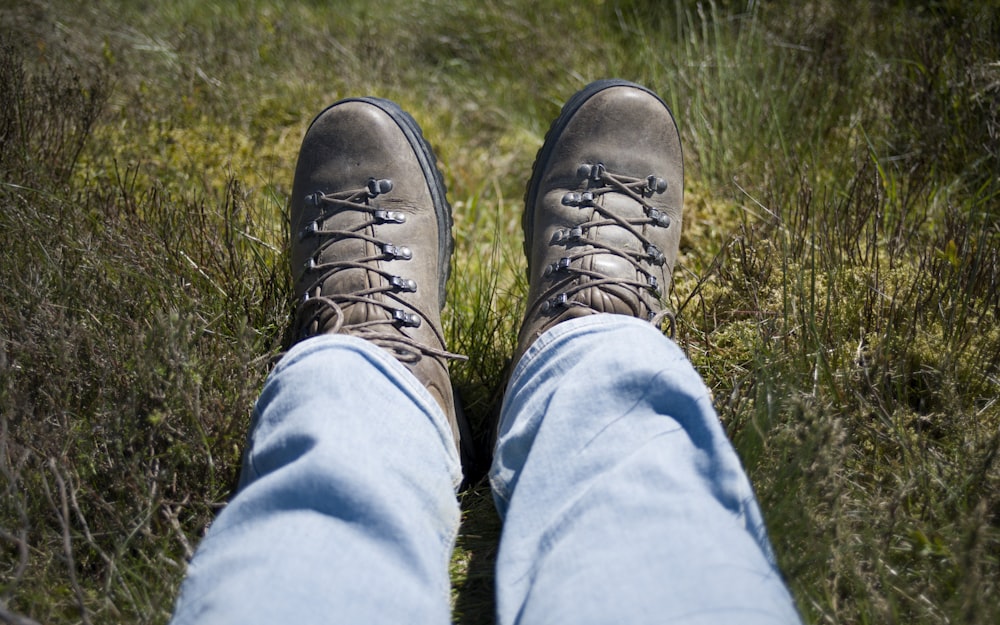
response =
{"points": [[611, 298], [356, 280], [355, 314]]}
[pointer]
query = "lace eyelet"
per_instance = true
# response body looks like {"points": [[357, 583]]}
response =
{"points": [[591, 172], [378, 187], [656, 257], [559, 301], [565, 235], [397, 253], [571, 199], [309, 230], [659, 218], [655, 184], [407, 319], [405, 285], [385, 217], [654, 285]]}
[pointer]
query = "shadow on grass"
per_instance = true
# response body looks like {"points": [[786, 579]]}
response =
{"points": [[479, 536]]}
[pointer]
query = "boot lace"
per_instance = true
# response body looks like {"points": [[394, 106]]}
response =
{"points": [[598, 181], [317, 313]]}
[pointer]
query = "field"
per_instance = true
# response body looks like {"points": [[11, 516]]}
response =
{"points": [[838, 286]]}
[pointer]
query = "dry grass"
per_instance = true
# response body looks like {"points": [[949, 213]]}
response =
{"points": [[838, 287]]}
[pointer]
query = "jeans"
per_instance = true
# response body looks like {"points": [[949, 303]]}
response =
{"points": [[622, 499]]}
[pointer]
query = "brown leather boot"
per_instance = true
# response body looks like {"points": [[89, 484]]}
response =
{"points": [[371, 238], [602, 218]]}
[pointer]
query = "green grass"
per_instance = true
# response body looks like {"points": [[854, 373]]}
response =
{"points": [[838, 287]]}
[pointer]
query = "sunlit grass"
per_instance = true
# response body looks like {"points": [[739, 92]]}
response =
{"points": [[838, 286]]}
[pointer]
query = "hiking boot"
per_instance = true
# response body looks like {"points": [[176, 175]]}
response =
{"points": [[602, 218], [371, 238]]}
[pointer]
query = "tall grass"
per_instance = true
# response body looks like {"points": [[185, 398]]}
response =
{"points": [[838, 280]]}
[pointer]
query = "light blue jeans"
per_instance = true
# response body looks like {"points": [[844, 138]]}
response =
{"points": [[622, 499]]}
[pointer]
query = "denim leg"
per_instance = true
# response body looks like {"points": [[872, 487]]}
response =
{"points": [[623, 500], [346, 511]]}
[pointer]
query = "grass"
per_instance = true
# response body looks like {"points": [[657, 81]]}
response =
{"points": [[838, 289]]}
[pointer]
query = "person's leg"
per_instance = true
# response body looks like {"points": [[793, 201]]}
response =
{"points": [[346, 511], [623, 501]]}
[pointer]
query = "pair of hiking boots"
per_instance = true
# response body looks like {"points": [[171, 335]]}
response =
{"points": [[371, 227]]}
